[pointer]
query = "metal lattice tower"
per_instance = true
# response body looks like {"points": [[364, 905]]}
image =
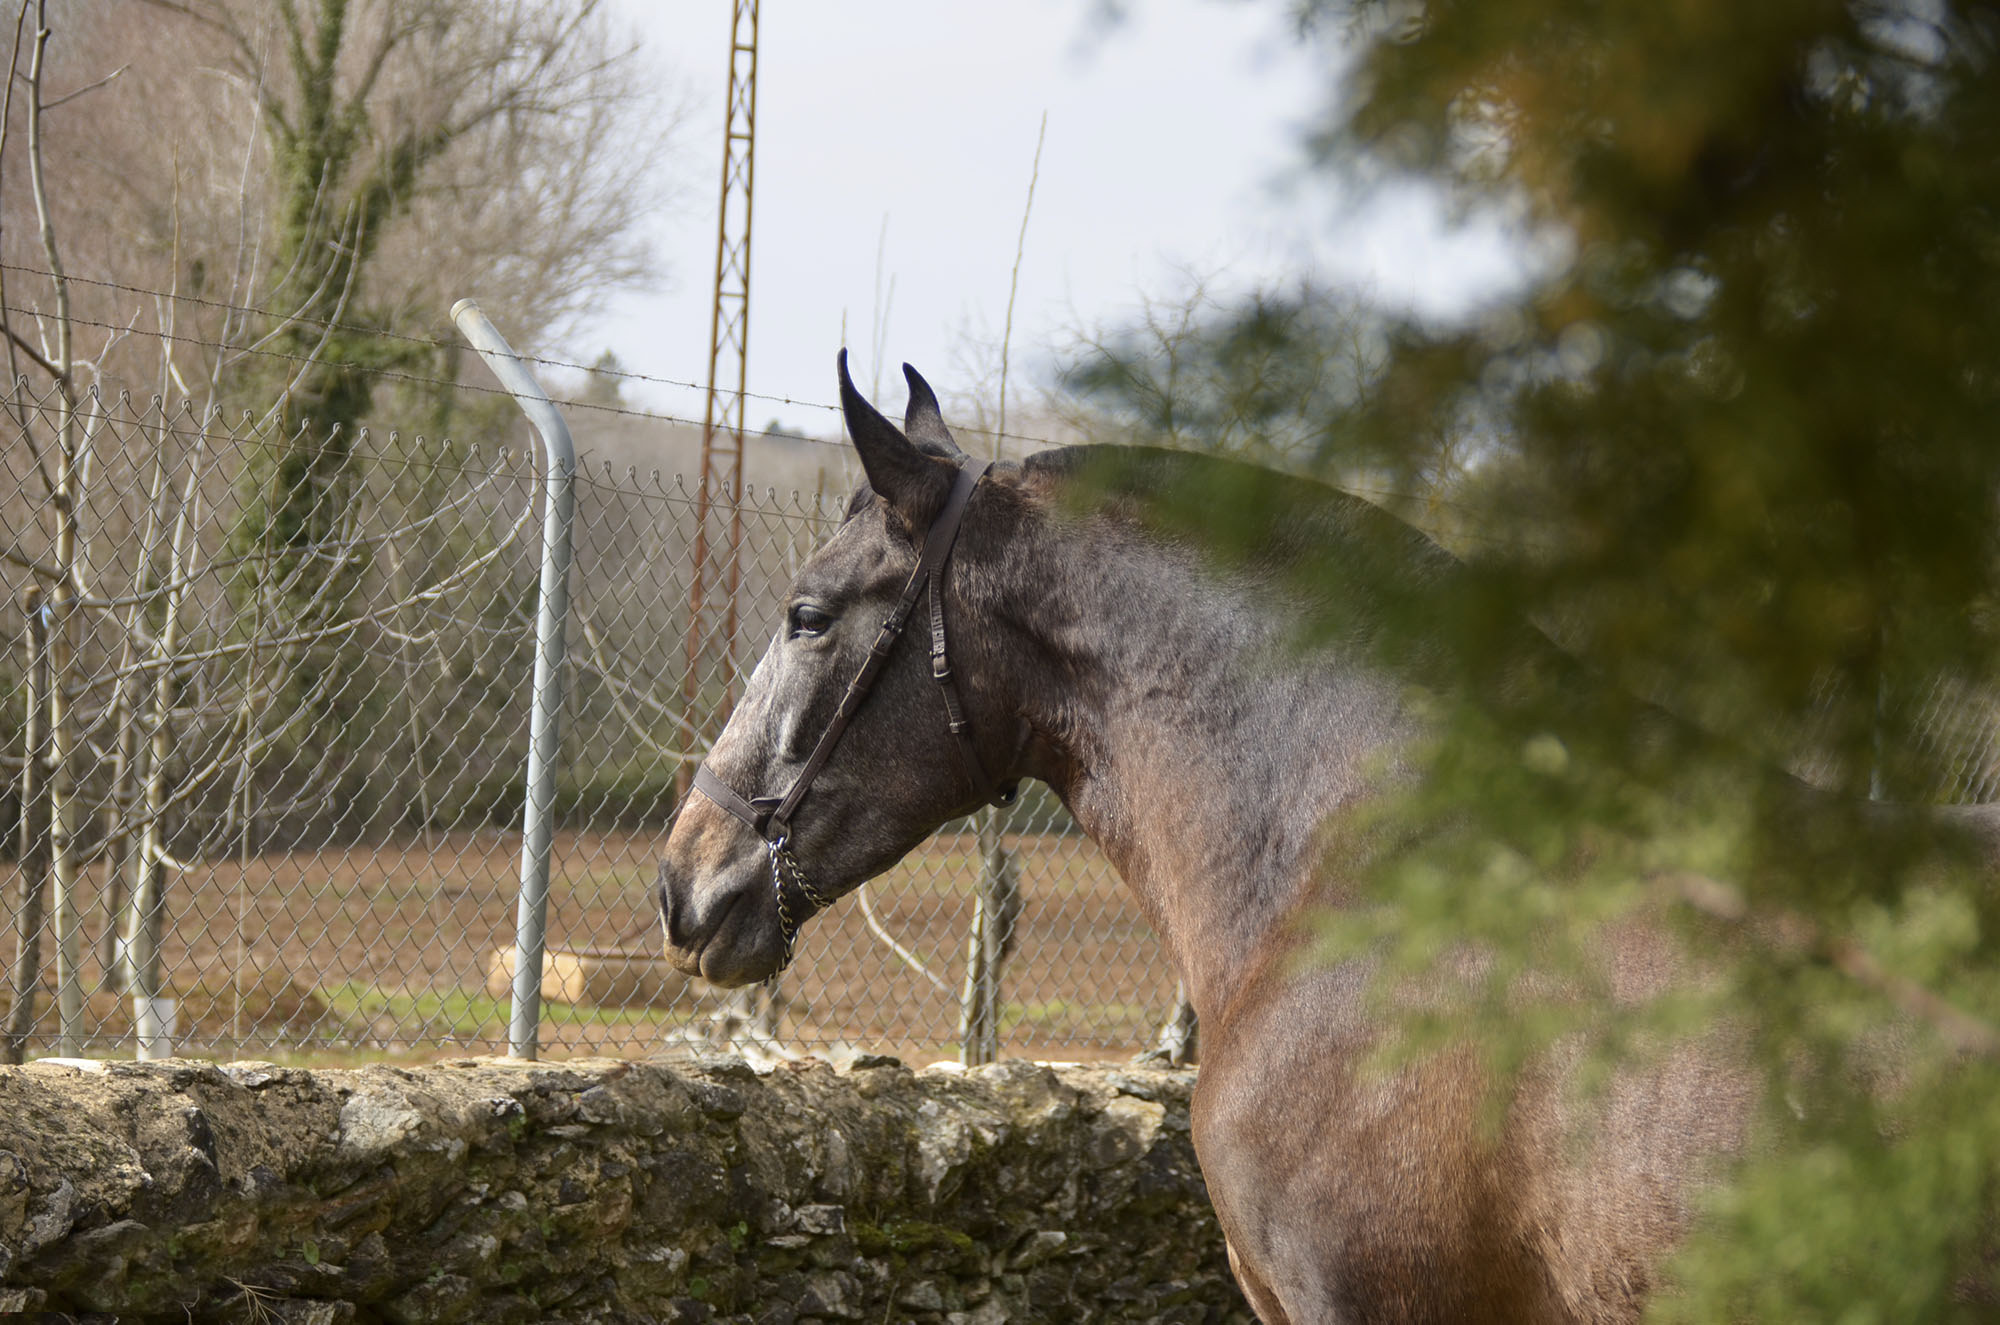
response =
{"points": [[716, 572]]}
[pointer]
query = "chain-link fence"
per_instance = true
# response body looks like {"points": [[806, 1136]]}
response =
{"points": [[264, 708], [263, 724]]}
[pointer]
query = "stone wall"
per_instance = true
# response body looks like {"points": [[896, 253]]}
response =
{"points": [[604, 1191]]}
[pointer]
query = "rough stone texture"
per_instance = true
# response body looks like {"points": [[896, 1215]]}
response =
{"points": [[601, 1191]]}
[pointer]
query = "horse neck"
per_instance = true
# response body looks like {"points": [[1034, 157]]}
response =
{"points": [[1197, 747]]}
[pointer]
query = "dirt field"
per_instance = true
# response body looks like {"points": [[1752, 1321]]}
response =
{"points": [[382, 951]]}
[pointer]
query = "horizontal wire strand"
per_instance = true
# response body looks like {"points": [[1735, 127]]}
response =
{"points": [[432, 343], [272, 441]]}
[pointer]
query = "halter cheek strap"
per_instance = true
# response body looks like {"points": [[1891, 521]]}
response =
{"points": [[770, 817]]}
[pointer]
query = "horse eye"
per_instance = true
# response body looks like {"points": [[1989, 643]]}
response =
{"points": [[808, 622]]}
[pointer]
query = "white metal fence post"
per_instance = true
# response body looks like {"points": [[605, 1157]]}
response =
{"points": [[551, 615]]}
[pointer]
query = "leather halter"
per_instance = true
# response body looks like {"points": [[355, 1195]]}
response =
{"points": [[770, 817]]}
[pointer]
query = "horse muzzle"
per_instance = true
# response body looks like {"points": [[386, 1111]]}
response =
{"points": [[721, 926]]}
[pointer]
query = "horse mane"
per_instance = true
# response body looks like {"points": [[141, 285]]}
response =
{"points": [[1299, 517], [1355, 567]]}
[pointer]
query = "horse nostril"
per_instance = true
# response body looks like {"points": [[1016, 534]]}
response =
{"points": [[667, 908]]}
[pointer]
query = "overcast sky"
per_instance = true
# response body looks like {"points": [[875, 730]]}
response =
{"points": [[1172, 148]]}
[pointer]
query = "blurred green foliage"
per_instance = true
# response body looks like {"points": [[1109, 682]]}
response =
{"points": [[1737, 452]]}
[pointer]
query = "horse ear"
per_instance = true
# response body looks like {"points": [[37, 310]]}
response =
{"points": [[923, 421], [913, 484]]}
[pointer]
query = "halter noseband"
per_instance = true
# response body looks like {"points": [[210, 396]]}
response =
{"points": [[770, 817]]}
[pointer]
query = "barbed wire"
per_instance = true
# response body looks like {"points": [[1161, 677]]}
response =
{"points": [[433, 343], [422, 380], [453, 459], [1366, 494], [1369, 494]]}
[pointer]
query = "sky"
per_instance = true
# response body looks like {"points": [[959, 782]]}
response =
{"points": [[907, 129]]}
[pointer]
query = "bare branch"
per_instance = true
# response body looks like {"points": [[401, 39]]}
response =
{"points": [[14, 341], [87, 87], [311, 358], [39, 184], [219, 21], [34, 355], [392, 36], [16, 557], [909, 959]]}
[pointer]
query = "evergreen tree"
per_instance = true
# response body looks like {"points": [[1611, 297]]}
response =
{"points": [[1738, 455]]}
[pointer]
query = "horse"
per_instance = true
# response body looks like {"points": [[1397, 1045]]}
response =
{"points": [[1165, 701]]}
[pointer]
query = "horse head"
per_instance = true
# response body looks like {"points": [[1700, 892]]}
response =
{"points": [[862, 730]]}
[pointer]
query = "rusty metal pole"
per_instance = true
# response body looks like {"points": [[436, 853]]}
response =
{"points": [[722, 456], [728, 352]]}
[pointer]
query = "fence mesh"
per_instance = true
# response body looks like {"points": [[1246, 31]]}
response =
{"points": [[263, 708], [263, 723]]}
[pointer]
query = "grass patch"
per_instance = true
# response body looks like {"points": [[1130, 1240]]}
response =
{"points": [[472, 1013], [459, 1012], [1061, 1015]]}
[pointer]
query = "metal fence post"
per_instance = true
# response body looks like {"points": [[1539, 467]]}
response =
{"points": [[552, 613], [995, 916]]}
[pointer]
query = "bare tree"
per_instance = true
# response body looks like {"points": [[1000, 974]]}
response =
{"points": [[137, 695], [372, 159]]}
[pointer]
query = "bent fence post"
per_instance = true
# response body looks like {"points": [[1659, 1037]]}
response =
{"points": [[544, 735]]}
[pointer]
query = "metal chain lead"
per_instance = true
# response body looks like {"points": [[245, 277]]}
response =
{"points": [[785, 870]]}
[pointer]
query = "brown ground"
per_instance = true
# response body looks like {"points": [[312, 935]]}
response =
{"points": [[375, 951]]}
